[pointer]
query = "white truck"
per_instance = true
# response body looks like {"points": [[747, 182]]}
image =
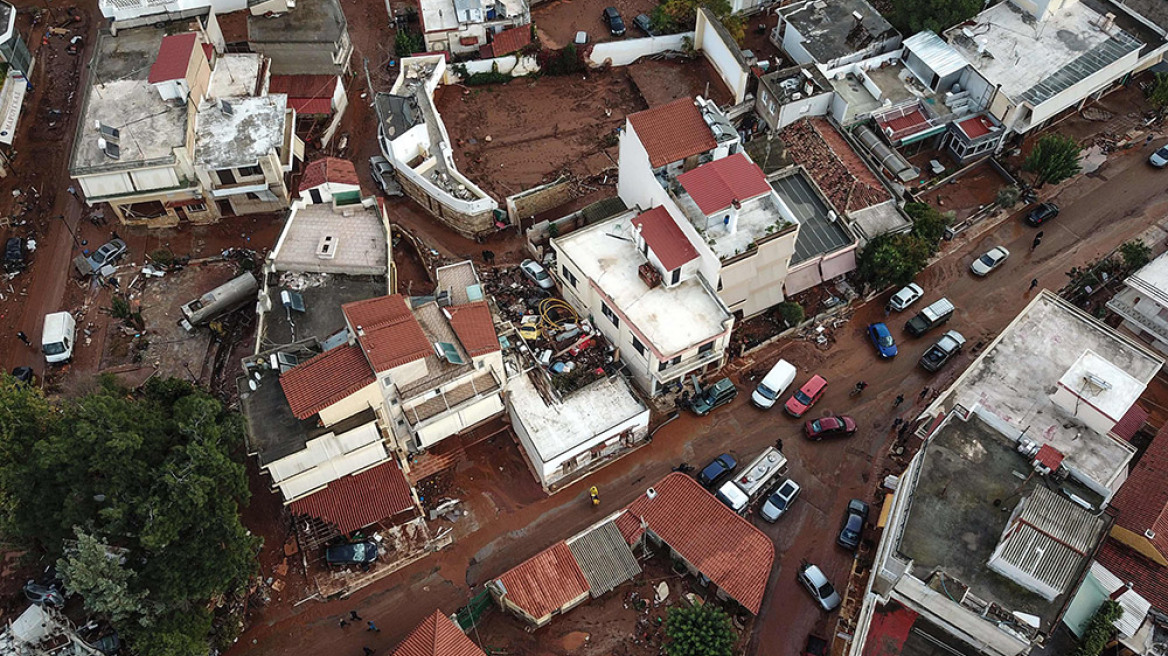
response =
{"points": [[738, 492]]}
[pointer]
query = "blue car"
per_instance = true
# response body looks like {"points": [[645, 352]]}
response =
{"points": [[882, 338]]}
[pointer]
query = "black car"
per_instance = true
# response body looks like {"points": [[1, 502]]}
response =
{"points": [[853, 527], [14, 255], [642, 22], [612, 18], [23, 375], [351, 553], [1041, 214], [716, 470]]}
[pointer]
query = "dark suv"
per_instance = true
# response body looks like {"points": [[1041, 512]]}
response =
{"points": [[14, 255], [612, 18], [1041, 214], [720, 393]]}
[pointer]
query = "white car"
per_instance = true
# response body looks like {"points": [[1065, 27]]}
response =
{"points": [[537, 274], [991, 260], [909, 294], [779, 501], [1159, 159], [820, 588]]}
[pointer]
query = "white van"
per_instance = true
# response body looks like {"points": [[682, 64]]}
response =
{"points": [[773, 384], [58, 337]]}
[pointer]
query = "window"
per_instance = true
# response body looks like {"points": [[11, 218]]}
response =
{"points": [[676, 277], [610, 315], [249, 171], [568, 275], [705, 348], [665, 364], [638, 346], [225, 176]]}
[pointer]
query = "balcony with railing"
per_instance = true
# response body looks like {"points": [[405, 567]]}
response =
{"points": [[689, 364], [1123, 304]]}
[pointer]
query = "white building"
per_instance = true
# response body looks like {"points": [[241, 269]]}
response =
{"points": [[462, 26], [833, 34], [1143, 303], [124, 14]]}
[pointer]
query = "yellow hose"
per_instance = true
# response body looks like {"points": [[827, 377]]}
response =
{"points": [[547, 305]]}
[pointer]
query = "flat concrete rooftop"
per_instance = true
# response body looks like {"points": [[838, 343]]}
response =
{"points": [[235, 74], [971, 479], [438, 15], [311, 21], [357, 236], [254, 128], [1033, 60], [324, 294], [1017, 375], [120, 97], [612, 264], [829, 28]]}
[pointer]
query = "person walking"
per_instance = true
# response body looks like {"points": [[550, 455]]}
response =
{"points": [[22, 337], [1037, 240], [372, 627], [898, 401], [354, 616], [344, 623], [1033, 284], [924, 393], [779, 444]]}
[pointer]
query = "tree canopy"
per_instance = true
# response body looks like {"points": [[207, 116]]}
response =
{"points": [[699, 631], [1054, 158], [912, 16], [896, 259], [673, 16], [138, 495]]}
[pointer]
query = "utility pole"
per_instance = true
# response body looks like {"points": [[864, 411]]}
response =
{"points": [[368, 80]]}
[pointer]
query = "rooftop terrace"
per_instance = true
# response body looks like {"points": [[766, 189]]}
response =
{"points": [[236, 74], [119, 96], [311, 21], [323, 295], [254, 127], [830, 29], [357, 241], [612, 264]]}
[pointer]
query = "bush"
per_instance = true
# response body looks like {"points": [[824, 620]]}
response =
{"points": [[1008, 196], [120, 308], [1099, 630], [892, 260], [162, 257], [928, 224], [791, 312], [1135, 254], [698, 631], [406, 43], [560, 62]]}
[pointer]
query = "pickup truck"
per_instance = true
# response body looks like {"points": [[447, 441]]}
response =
{"points": [[941, 352], [937, 313]]}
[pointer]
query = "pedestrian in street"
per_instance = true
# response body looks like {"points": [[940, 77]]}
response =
{"points": [[1037, 240], [924, 393], [344, 623], [24, 338], [897, 422], [1033, 284], [354, 616], [1148, 141], [372, 627], [898, 401], [779, 444]]}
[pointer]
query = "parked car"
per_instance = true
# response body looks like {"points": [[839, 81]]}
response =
{"points": [[717, 470], [820, 588], [14, 255], [993, 258], [108, 644], [906, 296], [831, 426], [853, 526], [351, 553], [23, 375], [1041, 214], [44, 595], [109, 253], [881, 338], [1159, 158], [713, 396], [934, 314], [382, 172], [772, 385], [780, 500], [806, 396], [537, 274], [642, 22], [612, 18], [940, 353]]}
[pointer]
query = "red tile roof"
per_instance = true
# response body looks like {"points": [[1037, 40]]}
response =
{"points": [[716, 185], [475, 329], [1050, 457], [1131, 423], [672, 132], [629, 526], [328, 169], [1142, 501], [508, 41], [546, 582], [356, 501], [836, 168], [975, 127], [1148, 579], [174, 55], [437, 636], [315, 384], [729, 550], [665, 238], [388, 332]]}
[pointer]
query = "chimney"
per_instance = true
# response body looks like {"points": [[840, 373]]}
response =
{"points": [[732, 216], [1119, 592]]}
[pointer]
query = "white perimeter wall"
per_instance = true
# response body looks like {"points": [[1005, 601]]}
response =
{"points": [[513, 65], [721, 55], [627, 51]]}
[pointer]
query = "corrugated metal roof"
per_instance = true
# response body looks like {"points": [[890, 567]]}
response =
{"points": [[1048, 539], [327, 458], [604, 557], [941, 58], [1135, 607], [1085, 65]]}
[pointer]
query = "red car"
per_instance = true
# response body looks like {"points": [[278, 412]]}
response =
{"points": [[833, 426], [806, 396]]}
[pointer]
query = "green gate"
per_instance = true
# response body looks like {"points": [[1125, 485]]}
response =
{"points": [[468, 616]]}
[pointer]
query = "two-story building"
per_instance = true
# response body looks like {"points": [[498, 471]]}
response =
{"points": [[172, 131], [463, 26], [1143, 303]]}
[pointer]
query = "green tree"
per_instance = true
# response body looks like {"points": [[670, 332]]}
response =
{"points": [[673, 16], [1100, 629], [892, 260], [406, 43], [1055, 158], [791, 312], [1158, 96], [152, 476], [1135, 254], [928, 224], [912, 16], [698, 631]]}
